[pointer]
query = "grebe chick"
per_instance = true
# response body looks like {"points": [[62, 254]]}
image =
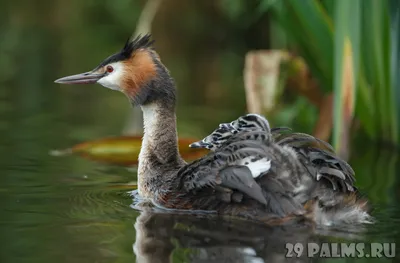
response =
{"points": [[249, 122]]}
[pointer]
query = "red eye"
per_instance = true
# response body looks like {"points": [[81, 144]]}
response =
{"points": [[109, 69]]}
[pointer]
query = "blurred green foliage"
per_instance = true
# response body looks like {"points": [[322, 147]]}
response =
{"points": [[318, 29]]}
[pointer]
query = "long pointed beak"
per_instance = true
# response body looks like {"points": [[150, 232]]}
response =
{"points": [[83, 78]]}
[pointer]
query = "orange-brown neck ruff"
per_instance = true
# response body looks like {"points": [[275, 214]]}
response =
{"points": [[140, 69]]}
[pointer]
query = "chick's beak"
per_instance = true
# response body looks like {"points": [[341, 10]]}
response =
{"points": [[83, 78], [199, 144]]}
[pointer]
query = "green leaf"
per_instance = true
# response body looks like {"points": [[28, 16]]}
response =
{"points": [[395, 64], [347, 22], [375, 52], [372, 29], [311, 30]]}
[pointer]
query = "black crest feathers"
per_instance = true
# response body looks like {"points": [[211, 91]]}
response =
{"points": [[129, 47], [135, 44]]}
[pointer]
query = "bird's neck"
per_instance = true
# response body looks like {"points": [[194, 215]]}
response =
{"points": [[159, 155]]}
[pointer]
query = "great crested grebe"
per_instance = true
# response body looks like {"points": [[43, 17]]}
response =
{"points": [[252, 174]]}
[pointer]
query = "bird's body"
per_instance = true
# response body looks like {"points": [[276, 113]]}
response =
{"points": [[255, 172]]}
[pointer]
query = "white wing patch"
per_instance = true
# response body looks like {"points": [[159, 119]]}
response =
{"points": [[256, 167]]}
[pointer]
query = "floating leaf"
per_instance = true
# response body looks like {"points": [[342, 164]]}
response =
{"points": [[123, 150]]}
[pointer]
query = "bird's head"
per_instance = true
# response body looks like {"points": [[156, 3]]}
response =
{"points": [[136, 70], [216, 139], [251, 122]]}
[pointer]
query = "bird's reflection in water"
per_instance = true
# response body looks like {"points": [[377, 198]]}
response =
{"points": [[210, 238], [213, 239]]}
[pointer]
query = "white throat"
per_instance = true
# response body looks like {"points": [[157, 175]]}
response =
{"points": [[150, 118], [159, 155], [150, 121]]}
